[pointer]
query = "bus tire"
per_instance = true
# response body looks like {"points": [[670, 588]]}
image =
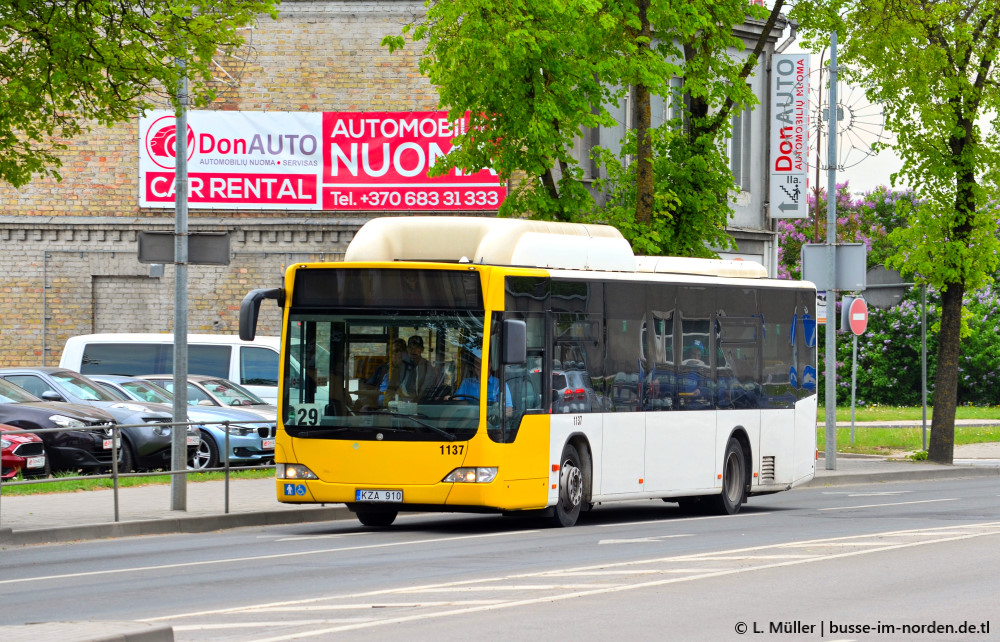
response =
{"points": [[377, 518], [730, 500], [571, 483]]}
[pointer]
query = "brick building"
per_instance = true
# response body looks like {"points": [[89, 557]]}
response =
{"points": [[70, 247]]}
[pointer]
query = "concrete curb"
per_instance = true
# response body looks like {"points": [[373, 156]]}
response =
{"points": [[959, 472], [179, 524], [88, 632]]}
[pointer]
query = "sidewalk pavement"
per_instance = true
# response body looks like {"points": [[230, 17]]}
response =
{"points": [[146, 510]]}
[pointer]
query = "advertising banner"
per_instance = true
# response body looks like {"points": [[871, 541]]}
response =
{"points": [[789, 145], [340, 161]]}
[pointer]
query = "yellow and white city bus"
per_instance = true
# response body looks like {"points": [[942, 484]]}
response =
{"points": [[606, 376]]}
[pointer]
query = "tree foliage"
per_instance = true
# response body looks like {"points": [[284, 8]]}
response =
{"points": [[534, 77], [932, 65], [65, 65]]}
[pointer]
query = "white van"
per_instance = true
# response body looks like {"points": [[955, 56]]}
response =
{"points": [[252, 364]]}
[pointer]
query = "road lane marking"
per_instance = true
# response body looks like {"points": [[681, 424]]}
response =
{"points": [[643, 540], [992, 528], [371, 605], [873, 493], [922, 501], [679, 520], [765, 554], [260, 625], [297, 538], [256, 558]]}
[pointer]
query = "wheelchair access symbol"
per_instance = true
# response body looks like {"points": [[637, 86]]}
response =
{"points": [[295, 489]]}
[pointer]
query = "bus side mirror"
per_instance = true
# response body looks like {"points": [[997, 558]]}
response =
{"points": [[250, 309], [515, 341]]}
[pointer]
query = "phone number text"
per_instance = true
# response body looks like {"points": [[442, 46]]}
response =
{"points": [[424, 198]]}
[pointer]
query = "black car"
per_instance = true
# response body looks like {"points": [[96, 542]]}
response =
{"points": [[147, 441], [86, 446]]}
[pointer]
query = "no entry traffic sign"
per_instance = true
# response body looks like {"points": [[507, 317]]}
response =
{"points": [[858, 316]]}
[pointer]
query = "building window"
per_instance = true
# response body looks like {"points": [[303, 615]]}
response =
{"points": [[738, 147]]}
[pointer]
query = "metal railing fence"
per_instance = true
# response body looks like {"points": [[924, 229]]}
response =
{"points": [[114, 475]]}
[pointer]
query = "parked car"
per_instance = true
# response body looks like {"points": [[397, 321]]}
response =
{"points": [[214, 391], [573, 392], [21, 453], [253, 364], [251, 440], [147, 443], [87, 446]]}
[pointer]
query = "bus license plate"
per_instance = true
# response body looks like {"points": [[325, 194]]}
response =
{"points": [[378, 495]]}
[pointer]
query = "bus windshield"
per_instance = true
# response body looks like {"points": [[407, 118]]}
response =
{"points": [[383, 374]]}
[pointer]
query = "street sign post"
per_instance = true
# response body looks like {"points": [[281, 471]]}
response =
{"points": [[854, 317]]}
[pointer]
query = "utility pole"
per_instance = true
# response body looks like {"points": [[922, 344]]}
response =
{"points": [[831, 249], [178, 451]]}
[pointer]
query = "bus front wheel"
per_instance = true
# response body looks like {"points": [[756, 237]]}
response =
{"points": [[571, 478], [733, 493]]}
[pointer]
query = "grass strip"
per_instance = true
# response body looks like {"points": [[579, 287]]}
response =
{"points": [[76, 485], [880, 441], [907, 413]]}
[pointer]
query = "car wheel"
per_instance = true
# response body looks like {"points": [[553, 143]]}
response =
{"points": [[126, 459], [207, 454], [375, 517], [571, 484], [733, 493]]}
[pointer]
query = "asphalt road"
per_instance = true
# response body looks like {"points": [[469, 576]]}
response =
{"points": [[883, 555]]}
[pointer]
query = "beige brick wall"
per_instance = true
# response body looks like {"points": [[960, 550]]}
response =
{"points": [[68, 250]]}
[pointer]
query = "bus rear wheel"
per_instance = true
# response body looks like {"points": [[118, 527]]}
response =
{"points": [[734, 469], [379, 518], [571, 483]]}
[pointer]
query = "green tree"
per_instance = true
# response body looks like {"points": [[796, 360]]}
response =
{"points": [[535, 76], [932, 65], [66, 65]]}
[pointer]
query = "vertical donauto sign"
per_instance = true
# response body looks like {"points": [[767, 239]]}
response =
{"points": [[311, 161], [789, 135]]}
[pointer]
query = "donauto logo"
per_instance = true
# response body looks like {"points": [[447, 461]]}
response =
{"points": [[161, 142]]}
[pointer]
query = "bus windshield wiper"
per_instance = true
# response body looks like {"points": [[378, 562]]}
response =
{"points": [[317, 431], [424, 424]]}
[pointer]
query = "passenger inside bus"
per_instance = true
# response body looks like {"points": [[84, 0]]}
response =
{"points": [[420, 373], [468, 388], [387, 380], [694, 389], [694, 354]]}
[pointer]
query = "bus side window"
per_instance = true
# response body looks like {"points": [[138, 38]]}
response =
{"points": [[523, 382]]}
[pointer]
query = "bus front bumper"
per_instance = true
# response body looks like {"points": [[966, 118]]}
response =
{"points": [[497, 495]]}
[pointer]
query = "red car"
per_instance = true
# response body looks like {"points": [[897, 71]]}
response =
{"points": [[23, 453]]}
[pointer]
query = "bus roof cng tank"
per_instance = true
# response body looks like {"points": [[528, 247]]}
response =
{"points": [[525, 243], [703, 267], [492, 241]]}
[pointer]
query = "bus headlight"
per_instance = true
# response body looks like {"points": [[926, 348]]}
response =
{"points": [[293, 471], [472, 475]]}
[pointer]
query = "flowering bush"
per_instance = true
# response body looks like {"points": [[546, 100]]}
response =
{"points": [[866, 219], [888, 355], [889, 351]]}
